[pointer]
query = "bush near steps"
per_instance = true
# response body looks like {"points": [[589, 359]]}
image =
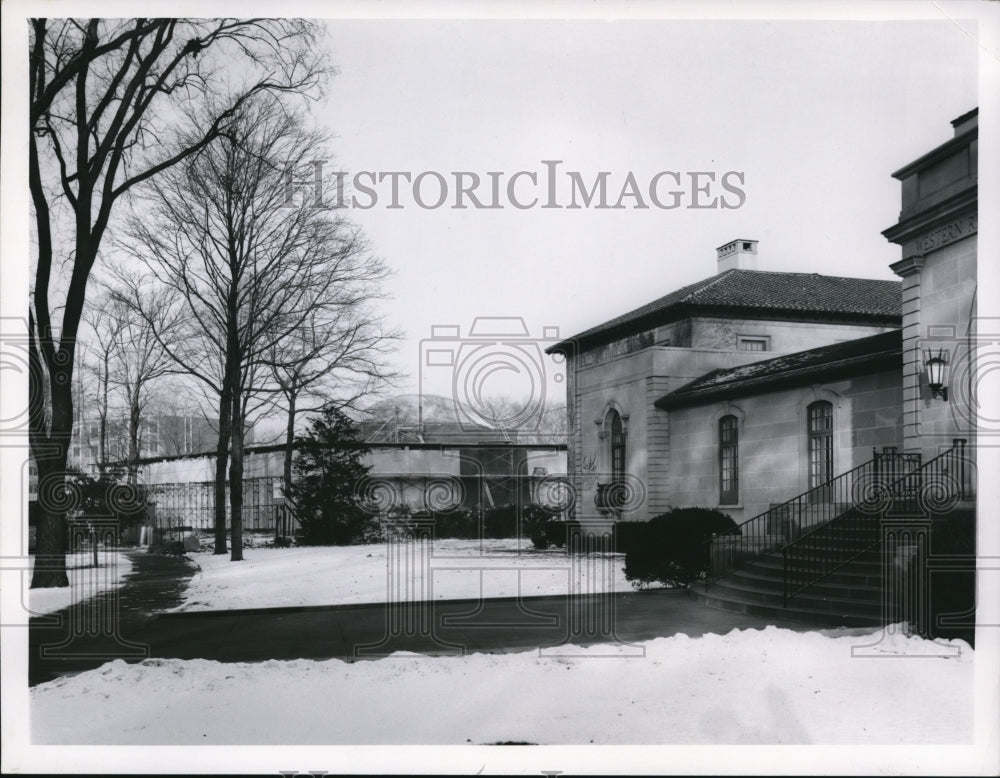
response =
{"points": [[671, 548]]}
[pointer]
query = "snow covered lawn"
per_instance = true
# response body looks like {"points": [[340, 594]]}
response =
{"points": [[84, 580], [340, 575], [768, 686]]}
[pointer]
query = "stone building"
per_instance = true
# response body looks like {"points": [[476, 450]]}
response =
{"points": [[756, 435], [750, 387], [834, 419], [936, 233], [627, 442]]}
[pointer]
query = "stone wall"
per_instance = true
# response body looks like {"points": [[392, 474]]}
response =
{"points": [[773, 441], [936, 233], [630, 377]]}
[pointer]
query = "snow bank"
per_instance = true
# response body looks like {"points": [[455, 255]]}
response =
{"points": [[340, 575], [770, 686], [84, 580]]}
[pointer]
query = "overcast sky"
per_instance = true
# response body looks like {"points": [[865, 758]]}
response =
{"points": [[814, 115]]}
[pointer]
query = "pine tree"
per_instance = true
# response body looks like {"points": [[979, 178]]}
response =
{"points": [[328, 471]]}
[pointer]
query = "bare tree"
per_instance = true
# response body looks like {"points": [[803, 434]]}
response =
{"points": [[100, 352], [249, 270], [125, 359], [100, 91], [553, 423], [140, 355], [501, 412], [528, 419], [336, 357]]}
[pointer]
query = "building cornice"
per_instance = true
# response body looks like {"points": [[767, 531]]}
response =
{"points": [[788, 379], [945, 150], [576, 346], [908, 266], [964, 203]]}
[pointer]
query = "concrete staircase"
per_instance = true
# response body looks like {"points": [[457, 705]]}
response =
{"points": [[831, 536], [849, 597]]}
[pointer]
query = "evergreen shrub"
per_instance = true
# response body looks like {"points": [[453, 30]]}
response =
{"points": [[671, 548]]}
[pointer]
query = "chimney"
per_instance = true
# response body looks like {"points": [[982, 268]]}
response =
{"points": [[739, 254]]}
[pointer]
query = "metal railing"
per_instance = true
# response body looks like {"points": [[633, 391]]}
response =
{"points": [[780, 525], [930, 489], [192, 504]]}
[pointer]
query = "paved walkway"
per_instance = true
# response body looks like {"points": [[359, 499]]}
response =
{"points": [[111, 624], [353, 632]]}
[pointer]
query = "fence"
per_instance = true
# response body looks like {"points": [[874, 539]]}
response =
{"points": [[193, 504], [896, 503]]}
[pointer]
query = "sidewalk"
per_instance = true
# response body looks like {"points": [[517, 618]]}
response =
{"points": [[368, 631], [110, 624]]}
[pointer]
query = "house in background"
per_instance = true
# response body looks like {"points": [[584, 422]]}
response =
{"points": [[159, 435]]}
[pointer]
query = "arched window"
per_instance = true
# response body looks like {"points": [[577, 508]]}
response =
{"points": [[820, 430], [729, 461], [617, 430]]}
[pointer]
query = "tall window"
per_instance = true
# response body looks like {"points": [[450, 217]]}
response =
{"points": [[820, 444], [617, 447], [729, 467]]}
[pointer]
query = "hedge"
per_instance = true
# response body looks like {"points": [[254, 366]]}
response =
{"points": [[671, 548]]}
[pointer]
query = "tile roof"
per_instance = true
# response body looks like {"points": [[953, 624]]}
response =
{"points": [[803, 367], [808, 295]]}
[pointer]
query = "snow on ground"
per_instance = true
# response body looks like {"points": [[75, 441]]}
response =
{"points": [[770, 686], [84, 580], [340, 575]]}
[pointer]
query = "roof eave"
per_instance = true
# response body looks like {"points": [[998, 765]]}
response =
{"points": [[937, 154], [788, 379], [680, 311]]}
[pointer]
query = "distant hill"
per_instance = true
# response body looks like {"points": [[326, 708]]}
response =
{"points": [[406, 407], [415, 419], [398, 420]]}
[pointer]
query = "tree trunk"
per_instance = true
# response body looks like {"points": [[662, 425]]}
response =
{"points": [[289, 441], [221, 460], [236, 483], [103, 413], [50, 460], [133, 438]]}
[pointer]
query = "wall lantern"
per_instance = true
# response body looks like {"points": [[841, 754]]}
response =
{"points": [[935, 364]]}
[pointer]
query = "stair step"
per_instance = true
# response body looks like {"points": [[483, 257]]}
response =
{"points": [[860, 586], [867, 606], [849, 596], [841, 577], [795, 611], [839, 539], [862, 567]]}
